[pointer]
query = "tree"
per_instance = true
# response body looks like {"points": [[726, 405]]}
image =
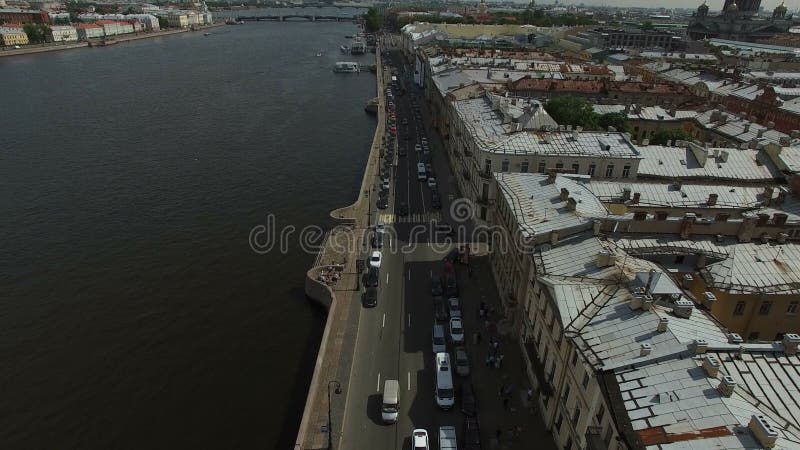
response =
{"points": [[372, 20], [616, 120], [569, 110], [37, 32], [647, 25], [661, 137]]}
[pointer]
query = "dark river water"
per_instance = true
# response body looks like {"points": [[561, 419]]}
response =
{"points": [[133, 312]]}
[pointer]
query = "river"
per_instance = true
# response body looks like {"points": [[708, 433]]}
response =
{"points": [[133, 312]]}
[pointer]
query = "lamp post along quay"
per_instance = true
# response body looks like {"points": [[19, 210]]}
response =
{"points": [[338, 391]]}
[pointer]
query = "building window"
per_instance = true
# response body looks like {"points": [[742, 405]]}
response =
{"points": [[592, 168], [576, 168], [524, 167], [559, 165], [566, 394], [568, 445], [626, 171], [738, 310], [574, 358], [585, 382], [792, 309], [576, 416], [504, 166], [609, 171], [609, 435], [600, 413], [487, 166], [765, 307], [559, 422], [541, 167]]}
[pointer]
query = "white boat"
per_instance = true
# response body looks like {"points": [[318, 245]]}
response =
{"points": [[319, 54], [344, 49], [346, 67]]}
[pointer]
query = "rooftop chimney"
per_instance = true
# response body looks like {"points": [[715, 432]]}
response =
{"points": [[711, 365], [564, 194], [790, 343], [700, 346], [626, 194], [636, 197], [734, 338], [663, 324], [712, 199], [571, 204], [645, 349], [762, 429], [727, 386]]}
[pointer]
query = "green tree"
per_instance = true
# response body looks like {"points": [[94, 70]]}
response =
{"points": [[647, 25], [37, 32], [163, 22], [661, 137], [373, 20], [616, 120], [575, 111]]}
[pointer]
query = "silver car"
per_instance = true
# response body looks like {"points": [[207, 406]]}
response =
{"points": [[462, 361]]}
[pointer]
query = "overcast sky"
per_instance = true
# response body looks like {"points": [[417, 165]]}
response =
{"points": [[713, 4]]}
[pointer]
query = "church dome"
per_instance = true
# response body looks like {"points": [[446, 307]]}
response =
{"points": [[702, 8], [781, 8]]}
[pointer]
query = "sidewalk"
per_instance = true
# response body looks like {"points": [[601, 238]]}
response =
{"points": [[493, 412]]}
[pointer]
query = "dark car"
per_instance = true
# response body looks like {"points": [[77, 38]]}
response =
{"points": [[436, 285], [436, 200], [471, 434], [377, 240], [372, 277], [469, 402], [371, 297], [402, 210], [382, 203], [440, 309], [451, 285]]}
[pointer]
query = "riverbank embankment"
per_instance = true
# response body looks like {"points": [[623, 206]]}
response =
{"points": [[321, 421], [54, 47]]}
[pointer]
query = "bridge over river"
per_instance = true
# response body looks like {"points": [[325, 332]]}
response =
{"points": [[309, 17]]}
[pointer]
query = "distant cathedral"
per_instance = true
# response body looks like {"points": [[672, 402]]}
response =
{"points": [[739, 21]]}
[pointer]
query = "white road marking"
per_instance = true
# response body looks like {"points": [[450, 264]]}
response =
{"points": [[384, 320], [387, 278], [409, 381], [378, 389], [409, 274], [409, 320]]}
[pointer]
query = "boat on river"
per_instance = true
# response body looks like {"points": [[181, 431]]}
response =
{"points": [[346, 67]]}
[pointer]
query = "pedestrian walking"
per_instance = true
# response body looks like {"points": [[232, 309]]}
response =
{"points": [[498, 361]]}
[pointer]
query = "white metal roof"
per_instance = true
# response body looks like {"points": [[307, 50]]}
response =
{"points": [[680, 163]]}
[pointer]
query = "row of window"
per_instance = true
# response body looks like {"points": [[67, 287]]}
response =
{"points": [[525, 165], [765, 308]]}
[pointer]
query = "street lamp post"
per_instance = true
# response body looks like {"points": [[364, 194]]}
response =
{"points": [[338, 391]]}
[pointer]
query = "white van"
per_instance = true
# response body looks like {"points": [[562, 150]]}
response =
{"points": [[445, 396], [422, 174], [439, 342], [391, 401]]}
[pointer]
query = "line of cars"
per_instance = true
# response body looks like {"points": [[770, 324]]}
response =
{"points": [[370, 298], [422, 150]]}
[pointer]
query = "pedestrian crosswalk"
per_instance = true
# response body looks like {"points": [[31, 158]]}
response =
{"points": [[411, 218]]}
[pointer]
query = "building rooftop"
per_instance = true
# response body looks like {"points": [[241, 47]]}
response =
{"points": [[738, 129], [685, 196], [737, 267], [753, 47], [665, 393], [536, 203], [654, 113], [575, 143], [721, 164]]}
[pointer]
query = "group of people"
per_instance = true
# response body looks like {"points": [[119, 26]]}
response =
{"points": [[494, 358], [330, 274]]}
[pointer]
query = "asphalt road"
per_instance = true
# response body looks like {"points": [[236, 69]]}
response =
{"points": [[394, 338]]}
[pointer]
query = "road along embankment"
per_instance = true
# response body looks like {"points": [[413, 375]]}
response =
{"points": [[320, 425]]}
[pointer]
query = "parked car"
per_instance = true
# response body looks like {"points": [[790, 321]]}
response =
{"points": [[372, 277], [420, 439], [386, 183], [380, 226], [471, 434], [382, 203], [375, 259], [436, 201], [440, 309], [377, 240], [456, 330], [454, 307], [469, 402], [432, 183], [462, 361], [417, 148], [450, 285], [436, 285], [371, 300]]}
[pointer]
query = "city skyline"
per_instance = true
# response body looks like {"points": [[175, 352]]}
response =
{"points": [[713, 4]]}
